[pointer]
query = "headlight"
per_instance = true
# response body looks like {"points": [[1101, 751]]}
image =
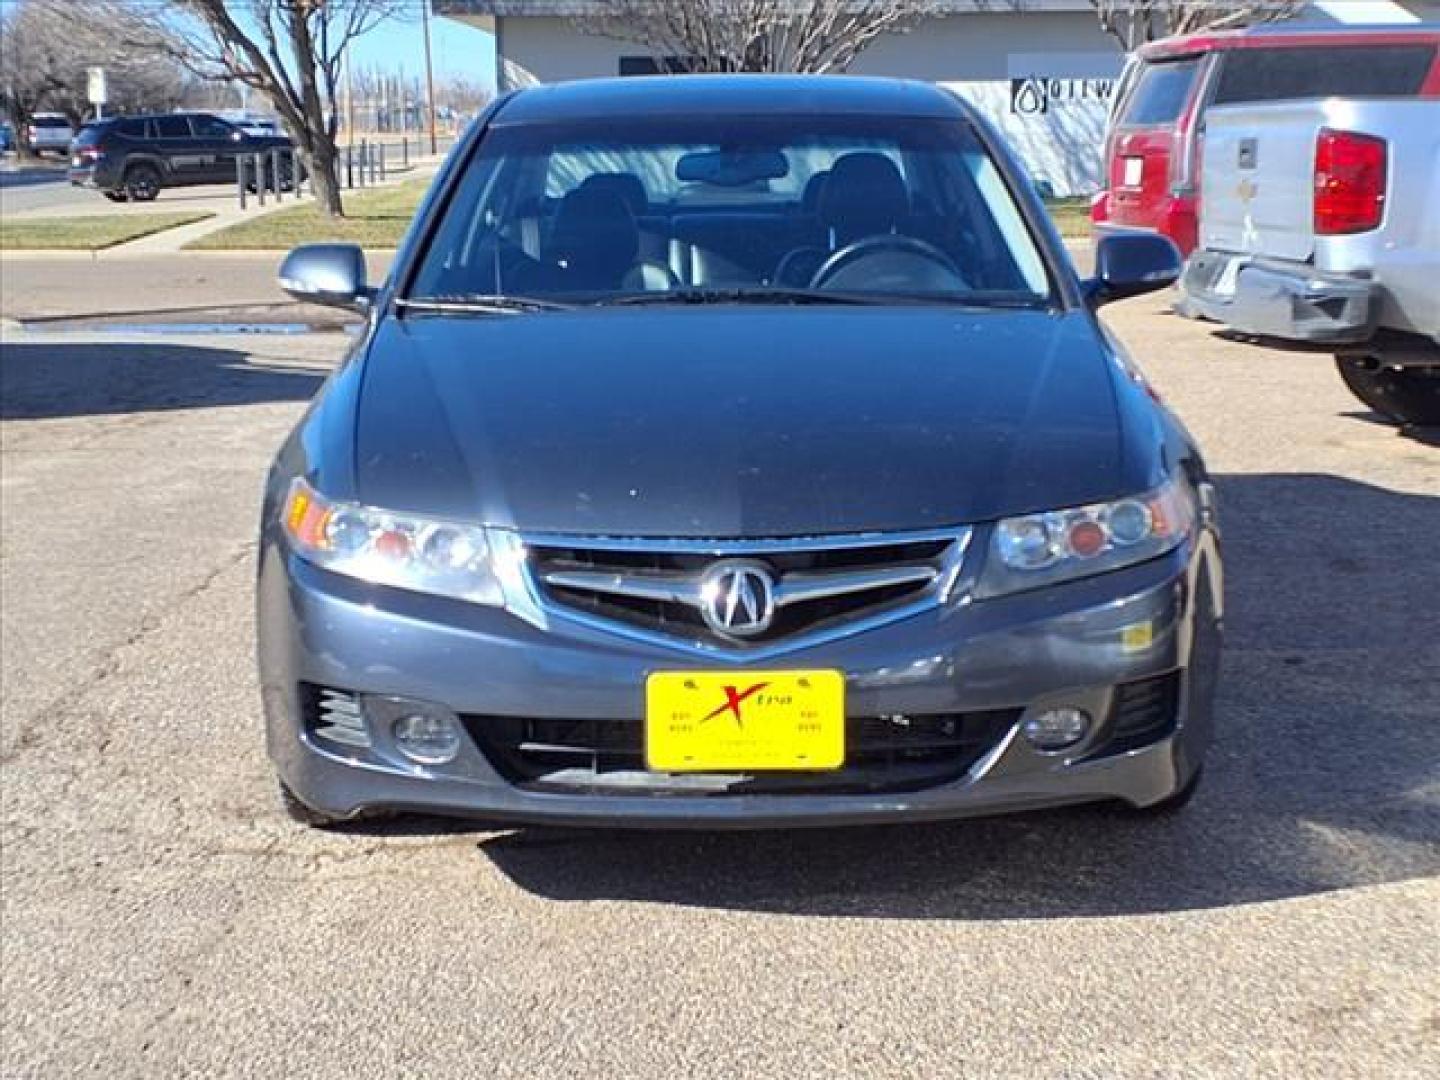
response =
{"points": [[442, 557], [1042, 549]]}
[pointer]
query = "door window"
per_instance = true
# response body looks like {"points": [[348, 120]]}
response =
{"points": [[171, 127], [211, 128]]}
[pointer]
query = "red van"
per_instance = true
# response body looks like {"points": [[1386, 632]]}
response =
{"points": [[1157, 124]]}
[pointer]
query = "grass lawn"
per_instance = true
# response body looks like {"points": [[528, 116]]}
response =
{"points": [[377, 219], [373, 219], [1072, 216], [88, 233]]}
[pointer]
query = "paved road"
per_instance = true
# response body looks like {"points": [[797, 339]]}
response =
{"points": [[162, 919], [46, 193]]}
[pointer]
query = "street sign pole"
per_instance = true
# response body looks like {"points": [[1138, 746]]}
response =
{"points": [[96, 90]]}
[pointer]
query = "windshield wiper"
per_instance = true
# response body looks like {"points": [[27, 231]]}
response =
{"points": [[464, 303], [740, 296]]}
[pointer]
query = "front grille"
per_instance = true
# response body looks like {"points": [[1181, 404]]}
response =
{"points": [[1143, 712], [659, 588], [606, 757]]}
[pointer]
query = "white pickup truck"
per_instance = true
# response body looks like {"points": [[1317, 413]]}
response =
{"points": [[1320, 224]]}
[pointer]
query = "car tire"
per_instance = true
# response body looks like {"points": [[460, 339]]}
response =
{"points": [[302, 814], [117, 196], [142, 183], [1408, 395]]}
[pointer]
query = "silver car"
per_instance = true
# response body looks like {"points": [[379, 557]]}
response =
{"points": [[735, 451]]}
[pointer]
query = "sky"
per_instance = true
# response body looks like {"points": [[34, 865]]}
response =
{"points": [[457, 49]]}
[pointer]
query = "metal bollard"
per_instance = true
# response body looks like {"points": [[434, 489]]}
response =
{"points": [[364, 157], [405, 151], [240, 179], [259, 166], [275, 174], [382, 163]]}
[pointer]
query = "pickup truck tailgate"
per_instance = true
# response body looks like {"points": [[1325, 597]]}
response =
{"points": [[1257, 181]]}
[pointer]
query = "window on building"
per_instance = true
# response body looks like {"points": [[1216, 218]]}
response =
{"points": [[663, 65]]}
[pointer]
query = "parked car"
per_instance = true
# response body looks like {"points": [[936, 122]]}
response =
{"points": [[49, 133], [1320, 223], [630, 511], [135, 157], [1155, 146]]}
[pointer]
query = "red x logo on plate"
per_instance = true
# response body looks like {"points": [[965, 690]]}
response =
{"points": [[733, 697]]}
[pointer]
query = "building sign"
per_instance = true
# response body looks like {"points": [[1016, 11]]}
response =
{"points": [[1035, 95]]}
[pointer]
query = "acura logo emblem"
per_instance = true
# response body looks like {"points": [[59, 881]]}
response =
{"points": [[737, 598]]}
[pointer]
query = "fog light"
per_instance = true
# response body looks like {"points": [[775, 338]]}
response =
{"points": [[1056, 729], [429, 738]]}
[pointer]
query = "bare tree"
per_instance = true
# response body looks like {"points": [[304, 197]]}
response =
{"points": [[1134, 22], [289, 50], [818, 36], [462, 95], [46, 49]]}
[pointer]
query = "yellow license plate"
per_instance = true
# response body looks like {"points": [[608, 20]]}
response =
{"points": [[723, 721]]}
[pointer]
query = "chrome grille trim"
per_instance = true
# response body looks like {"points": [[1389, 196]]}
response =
{"points": [[793, 588], [934, 579]]}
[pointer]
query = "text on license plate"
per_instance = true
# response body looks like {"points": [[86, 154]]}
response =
{"points": [[717, 721]]}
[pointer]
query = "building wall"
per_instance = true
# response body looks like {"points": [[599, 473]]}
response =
{"points": [[1043, 79], [958, 48]]}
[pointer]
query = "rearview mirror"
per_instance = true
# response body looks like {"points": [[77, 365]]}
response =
{"points": [[731, 168], [329, 274], [1131, 264]]}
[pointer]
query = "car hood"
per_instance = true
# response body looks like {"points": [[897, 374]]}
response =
{"points": [[743, 421]]}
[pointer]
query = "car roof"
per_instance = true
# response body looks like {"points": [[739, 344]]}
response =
{"points": [[1283, 35], [159, 116], [722, 95]]}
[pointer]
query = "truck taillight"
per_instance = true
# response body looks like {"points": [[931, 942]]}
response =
{"points": [[89, 153], [1350, 176]]}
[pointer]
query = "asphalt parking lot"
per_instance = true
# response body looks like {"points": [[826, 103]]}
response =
{"points": [[161, 918]]}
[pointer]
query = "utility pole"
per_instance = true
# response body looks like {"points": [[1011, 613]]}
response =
{"points": [[429, 76], [349, 98]]}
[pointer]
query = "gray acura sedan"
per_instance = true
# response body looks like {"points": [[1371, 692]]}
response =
{"points": [[735, 451]]}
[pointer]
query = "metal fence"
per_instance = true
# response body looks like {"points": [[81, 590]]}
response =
{"points": [[279, 171]]}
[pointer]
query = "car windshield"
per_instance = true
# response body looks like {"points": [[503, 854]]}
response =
{"points": [[779, 209]]}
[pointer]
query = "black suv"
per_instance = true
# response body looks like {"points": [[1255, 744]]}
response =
{"points": [[133, 157]]}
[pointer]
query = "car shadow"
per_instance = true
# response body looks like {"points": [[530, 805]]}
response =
{"points": [[46, 379], [1325, 773], [1425, 435]]}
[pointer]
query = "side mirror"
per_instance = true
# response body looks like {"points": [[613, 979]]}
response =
{"points": [[330, 274], [1131, 264]]}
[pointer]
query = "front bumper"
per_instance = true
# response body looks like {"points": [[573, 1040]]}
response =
{"points": [[1280, 299], [1065, 644]]}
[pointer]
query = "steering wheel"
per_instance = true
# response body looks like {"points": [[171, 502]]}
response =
{"points": [[888, 244]]}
